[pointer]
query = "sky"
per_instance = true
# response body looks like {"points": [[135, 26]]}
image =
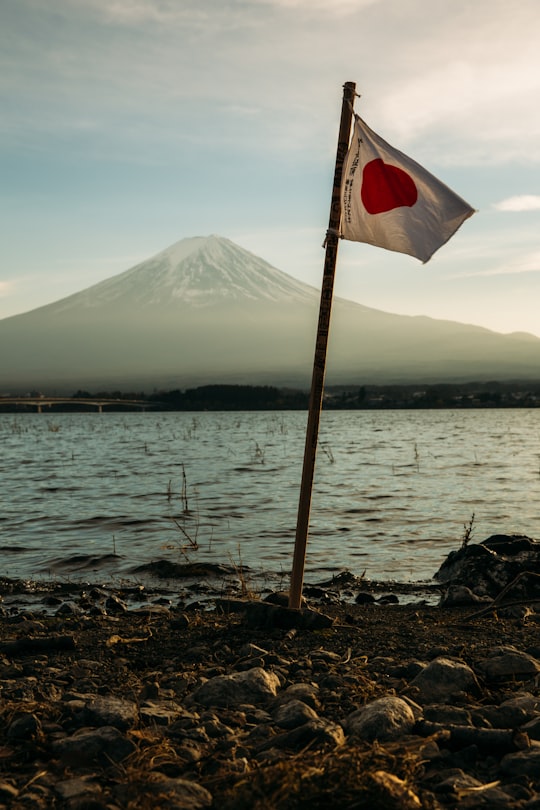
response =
{"points": [[128, 125]]}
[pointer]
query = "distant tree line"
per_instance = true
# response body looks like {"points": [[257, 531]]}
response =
{"points": [[232, 398], [441, 395], [271, 398], [212, 398]]}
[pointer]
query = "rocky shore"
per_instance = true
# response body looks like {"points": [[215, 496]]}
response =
{"points": [[128, 698]]}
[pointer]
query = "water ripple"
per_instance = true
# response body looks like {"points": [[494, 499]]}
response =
{"points": [[392, 489]]}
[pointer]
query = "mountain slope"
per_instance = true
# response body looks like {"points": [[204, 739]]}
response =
{"points": [[206, 310], [196, 272]]}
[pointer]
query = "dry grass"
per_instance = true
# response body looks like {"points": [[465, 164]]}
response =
{"points": [[374, 777]]}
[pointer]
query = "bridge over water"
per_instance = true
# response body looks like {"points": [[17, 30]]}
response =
{"points": [[41, 402]]}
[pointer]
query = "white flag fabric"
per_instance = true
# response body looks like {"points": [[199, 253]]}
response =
{"points": [[390, 201]]}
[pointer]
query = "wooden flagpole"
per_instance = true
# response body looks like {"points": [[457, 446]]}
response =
{"points": [[319, 362]]}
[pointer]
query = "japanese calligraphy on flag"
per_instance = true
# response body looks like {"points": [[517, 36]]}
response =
{"points": [[390, 201]]}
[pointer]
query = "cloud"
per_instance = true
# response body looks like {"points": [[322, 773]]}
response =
{"points": [[515, 265], [523, 202], [343, 6], [157, 70], [6, 288]]}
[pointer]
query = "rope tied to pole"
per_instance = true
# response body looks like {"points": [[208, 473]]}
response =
{"points": [[331, 232]]}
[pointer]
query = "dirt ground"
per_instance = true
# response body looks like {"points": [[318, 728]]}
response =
{"points": [[50, 661]]}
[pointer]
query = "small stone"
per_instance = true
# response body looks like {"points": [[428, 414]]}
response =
{"points": [[306, 692], [88, 745], [319, 732], [280, 598], [112, 711], [443, 680], [387, 718], [68, 609], [157, 714], [388, 599], [532, 728], [502, 716], [449, 715], [460, 595], [364, 598], [24, 726], [294, 713], [78, 786], [524, 700], [216, 729], [522, 763], [253, 686], [508, 663], [115, 605], [458, 781]]}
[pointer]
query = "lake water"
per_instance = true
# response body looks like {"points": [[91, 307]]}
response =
{"points": [[101, 494]]}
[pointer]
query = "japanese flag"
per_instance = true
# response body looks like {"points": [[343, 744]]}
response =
{"points": [[388, 200]]}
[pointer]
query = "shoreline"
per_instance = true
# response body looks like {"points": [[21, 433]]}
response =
{"points": [[202, 584], [131, 699]]}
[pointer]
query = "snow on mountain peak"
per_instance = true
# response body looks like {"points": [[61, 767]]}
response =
{"points": [[197, 272], [201, 270]]}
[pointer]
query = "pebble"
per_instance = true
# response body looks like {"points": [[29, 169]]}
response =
{"points": [[443, 680], [387, 718], [101, 733], [251, 686]]}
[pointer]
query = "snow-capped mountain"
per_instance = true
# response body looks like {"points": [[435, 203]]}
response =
{"points": [[207, 311], [195, 272]]}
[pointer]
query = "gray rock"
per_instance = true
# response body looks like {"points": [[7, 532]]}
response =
{"points": [[319, 732], [387, 718], [158, 713], [90, 745], [460, 595], [24, 726], [115, 605], [68, 609], [508, 663], [532, 728], [524, 700], [522, 763], [78, 786], [509, 714], [293, 713], [111, 711], [215, 729], [442, 681], [490, 566], [457, 781], [306, 692], [253, 686], [453, 715]]}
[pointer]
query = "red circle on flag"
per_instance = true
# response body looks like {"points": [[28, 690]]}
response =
{"points": [[385, 187]]}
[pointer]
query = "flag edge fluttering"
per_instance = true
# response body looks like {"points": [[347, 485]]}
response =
{"points": [[352, 184]]}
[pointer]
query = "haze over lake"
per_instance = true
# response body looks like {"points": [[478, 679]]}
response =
{"points": [[94, 496]]}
